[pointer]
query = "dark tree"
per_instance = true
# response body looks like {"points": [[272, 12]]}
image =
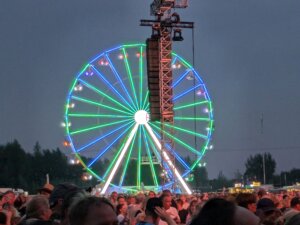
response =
{"points": [[254, 167]]}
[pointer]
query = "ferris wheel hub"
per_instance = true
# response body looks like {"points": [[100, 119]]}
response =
{"points": [[141, 117]]}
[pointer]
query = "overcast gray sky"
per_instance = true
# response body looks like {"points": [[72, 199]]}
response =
{"points": [[247, 52]]}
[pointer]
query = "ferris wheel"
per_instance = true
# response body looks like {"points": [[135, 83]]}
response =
{"points": [[108, 124]]}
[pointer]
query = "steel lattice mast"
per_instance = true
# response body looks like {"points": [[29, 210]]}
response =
{"points": [[159, 68]]}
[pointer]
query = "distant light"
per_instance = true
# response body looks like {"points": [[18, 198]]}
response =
{"points": [[174, 66], [78, 87], [211, 147], [190, 77], [120, 56], [138, 54], [206, 110], [71, 105], [199, 92], [67, 143]]}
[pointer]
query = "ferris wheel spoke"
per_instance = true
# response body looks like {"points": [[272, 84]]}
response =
{"points": [[88, 101], [146, 102], [193, 133], [191, 105], [112, 87], [120, 80], [139, 159], [181, 78], [104, 95], [102, 152], [178, 141], [177, 156], [102, 137], [83, 115], [186, 92], [127, 162], [156, 151], [130, 75], [120, 158], [141, 75], [150, 158], [97, 127], [168, 160]]}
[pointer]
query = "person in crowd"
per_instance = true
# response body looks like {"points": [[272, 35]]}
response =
{"points": [[46, 190], [154, 213], [20, 203], [121, 210], [5, 217], [38, 211], [93, 210], [130, 200], [247, 200], [173, 213], [56, 200], [295, 208], [168, 192], [136, 211], [268, 213], [181, 211], [294, 220], [121, 200], [192, 211], [184, 200], [151, 194], [285, 202], [114, 198], [218, 211], [262, 193], [7, 206]]}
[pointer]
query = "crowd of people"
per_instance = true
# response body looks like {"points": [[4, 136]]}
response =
{"points": [[67, 204]]}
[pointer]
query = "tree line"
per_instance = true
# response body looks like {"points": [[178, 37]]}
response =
{"points": [[20, 169]]}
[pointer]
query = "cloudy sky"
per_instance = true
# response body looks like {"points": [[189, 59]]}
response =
{"points": [[247, 52]]}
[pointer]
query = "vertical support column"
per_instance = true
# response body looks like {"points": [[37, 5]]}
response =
{"points": [[166, 94]]}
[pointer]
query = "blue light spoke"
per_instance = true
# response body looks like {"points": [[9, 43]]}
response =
{"points": [[105, 150], [103, 136], [186, 92], [120, 80], [181, 78], [103, 94], [112, 87]]}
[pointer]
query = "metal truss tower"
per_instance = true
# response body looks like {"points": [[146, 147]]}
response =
{"points": [[159, 68]]}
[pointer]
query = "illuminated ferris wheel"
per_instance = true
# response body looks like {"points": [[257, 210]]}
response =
{"points": [[108, 127]]}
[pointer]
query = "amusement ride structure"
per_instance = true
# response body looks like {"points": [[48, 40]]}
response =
{"points": [[138, 116]]}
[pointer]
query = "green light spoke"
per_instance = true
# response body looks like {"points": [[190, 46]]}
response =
{"points": [[192, 118], [150, 159], [105, 95], [130, 75], [127, 161], [187, 131], [139, 159], [97, 127], [141, 75], [96, 115], [146, 100], [178, 141], [190, 105], [99, 104]]}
